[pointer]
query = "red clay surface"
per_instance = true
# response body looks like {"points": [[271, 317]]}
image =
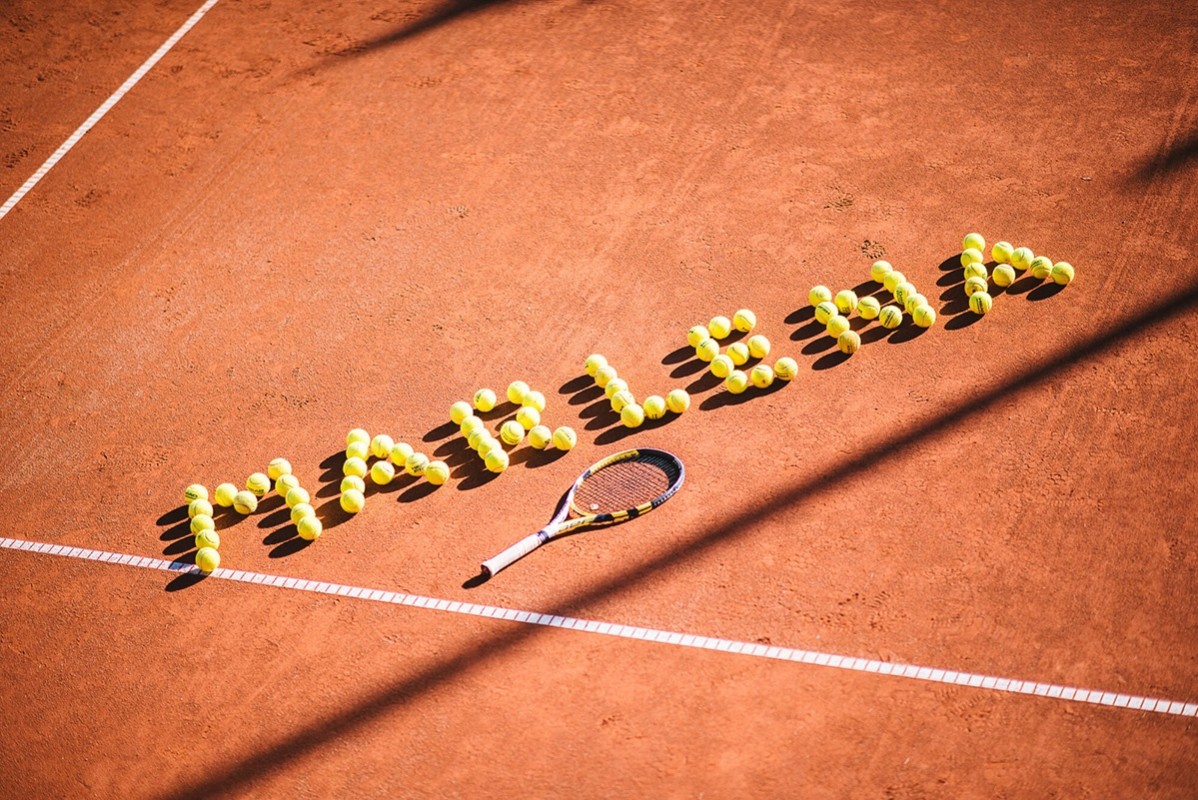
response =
{"points": [[308, 219]]}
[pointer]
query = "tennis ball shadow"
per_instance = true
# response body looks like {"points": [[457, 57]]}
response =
{"points": [[329, 489], [185, 580], [962, 321], [289, 548], [532, 458], [688, 368], [954, 294], [440, 432], [800, 314], [833, 359], [334, 460], [180, 545], [679, 355], [951, 279], [417, 491], [576, 384], [955, 307], [722, 399], [506, 408], [226, 517], [820, 345], [703, 383], [401, 481], [865, 288], [174, 515], [586, 395], [951, 263], [1024, 285], [605, 419], [620, 432], [875, 334], [331, 514], [477, 479], [596, 409], [280, 535], [176, 531], [907, 333], [812, 328], [452, 447], [275, 518], [1045, 291]]}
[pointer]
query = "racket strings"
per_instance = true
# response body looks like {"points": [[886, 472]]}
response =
{"points": [[626, 484]]}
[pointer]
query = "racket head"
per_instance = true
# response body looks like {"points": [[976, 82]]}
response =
{"points": [[626, 485]]}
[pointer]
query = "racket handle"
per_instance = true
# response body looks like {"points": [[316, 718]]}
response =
{"points": [[516, 552]]}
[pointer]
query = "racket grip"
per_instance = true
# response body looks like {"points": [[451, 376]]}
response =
{"points": [[514, 553]]}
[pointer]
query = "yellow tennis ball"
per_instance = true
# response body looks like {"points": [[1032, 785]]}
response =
{"points": [[358, 450], [762, 376], [593, 364], [759, 346], [613, 386], [528, 417], [1062, 272], [459, 411], [485, 400], [382, 472], [677, 400], [924, 315], [744, 320], [845, 301], [737, 381], [352, 482], [285, 484], [621, 399], [786, 368], [915, 301], [974, 241], [516, 391], [739, 353], [436, 473], [497, 461], [849, 342], [196, 491], [707, 350], [380, 446], [893, 279], [277, 467], [201, 522], [296, 496], [1001, 252], [352, 501], [244, 502], [488, 445], [474, 439], [207, 559], [1021, 258], [975, 284], [417, 463], [208, 539], [721, 365], [720, 326], [825, 311], [976, 269], [971, 255], [632, 415], [697, 335], [890, 317], [400, 452], [355, 466], [902, 291], [655, 405], [980, 302], [258, 483], [1041, 267], [466, 426], [1003, 275], [564, 438], [605, 375], [300, 511], [879, 270], [540, 437], [511, 432], [837, 325], [310, 528], [536, 400], [357, 435], [819, 294], [868, 307], [224, 494], [197, 507]]}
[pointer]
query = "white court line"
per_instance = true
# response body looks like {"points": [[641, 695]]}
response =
{"points": [[931, 674], [104, 108]]}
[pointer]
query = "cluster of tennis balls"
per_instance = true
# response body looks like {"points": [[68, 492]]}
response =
{"points": [[833, 311], [390, 455], [527, 422], [726, 365], [1009, 261], [624, 402]]}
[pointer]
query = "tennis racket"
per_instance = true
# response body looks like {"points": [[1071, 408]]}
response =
{"points": [[620, 487]]}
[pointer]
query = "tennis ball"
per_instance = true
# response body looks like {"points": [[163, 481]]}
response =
{"points": [[902, 291], [1021, 258], [197, 507], [786, 368], [924, 315], [528, 417], [975, 284], [400, 453], [604, 375], [244, 502], [980, 302], [739, 353], [879, 270], [352, 501], [511, 432], [1041, 267], [593, 364], [632, 415], [893, 279], [354, 466], [516, 391], [974, 241], [707, 350], [846, 301], [201, 522], [497, 461], [1062, 272], [1003, 275], [837, 325], [621, 399], [540, 437], [697, 335], [721, 365], [819, 294], [971, 255], [258, 483], [277, 467], [357, 450], [677, 400], [976, 269], [720, 327], [762, 376], [890, 317], [474, 439], [466, 426], [868, 307], [285, 484], [744, 320], [352, 482], [224, 494], [298, 495], [488, 445], [613, 386], [915, 301], [485, 400], [1001, 252], [310, 528], [564, 438], [417, 463], [655, 404], [536, 400], [459, 411], [302, 510], [849, 342], [436, 473], [357, 435], [759, 346], [382, 472], [196, 491], [736, 382], [208, 539], [207, 559], [380, 446], [825, 311]]}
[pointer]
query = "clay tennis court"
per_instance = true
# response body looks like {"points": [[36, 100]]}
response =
{"points": [[959, 563]]}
